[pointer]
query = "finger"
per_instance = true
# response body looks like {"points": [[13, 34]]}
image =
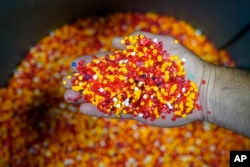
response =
{"points": [[91, 110], [86, 59], [73, 97]]}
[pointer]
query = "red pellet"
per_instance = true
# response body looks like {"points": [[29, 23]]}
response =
{"points": [[203, 81]]}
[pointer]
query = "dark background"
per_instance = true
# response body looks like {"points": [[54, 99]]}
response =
{"points": [[226, 23]]}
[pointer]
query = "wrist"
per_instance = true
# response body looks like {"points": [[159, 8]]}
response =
{"points": [[208, 95]]}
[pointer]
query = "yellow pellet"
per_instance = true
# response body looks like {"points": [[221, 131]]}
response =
{"points": [[80, 77], [121, 77], [134, 65], [173, 88], [159, 58], [69, 77], [155, 88], [105, 82], [122, 41], [176, 41], [64, 82], [142, 103], [111, 78], [173, 58], [150, 104], [151, 62]]}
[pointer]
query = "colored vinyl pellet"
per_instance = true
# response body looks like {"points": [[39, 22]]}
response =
{"points": [[142, 80], [203, 81], [39, 129]]}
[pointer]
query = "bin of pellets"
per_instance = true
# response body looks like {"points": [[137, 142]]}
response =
{"points": [[39, 128]]}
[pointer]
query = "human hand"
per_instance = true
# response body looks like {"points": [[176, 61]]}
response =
{"points": [[194, 68]]}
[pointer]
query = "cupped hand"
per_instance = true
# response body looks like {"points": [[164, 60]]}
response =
{"points": [[193, 66]]}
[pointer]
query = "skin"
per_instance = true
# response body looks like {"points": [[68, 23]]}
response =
{"points": [[228, 97], [217, 108]]}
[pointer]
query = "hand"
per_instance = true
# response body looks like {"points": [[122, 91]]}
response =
{"points": [[194, 68]]}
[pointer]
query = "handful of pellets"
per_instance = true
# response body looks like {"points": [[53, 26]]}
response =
{"points": [[143, 80]]}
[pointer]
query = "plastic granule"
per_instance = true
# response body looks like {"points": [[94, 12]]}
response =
{"points": [[203, 81]]}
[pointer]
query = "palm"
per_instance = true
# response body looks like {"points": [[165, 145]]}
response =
{"points": [[193, 67]]}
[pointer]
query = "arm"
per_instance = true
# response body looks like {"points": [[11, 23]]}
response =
{"points": [[225, 98], [228, 98]]}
